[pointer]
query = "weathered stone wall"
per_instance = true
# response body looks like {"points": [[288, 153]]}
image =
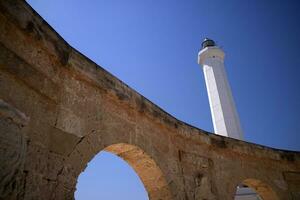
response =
{"points": [[12, 151], [59, 109]]}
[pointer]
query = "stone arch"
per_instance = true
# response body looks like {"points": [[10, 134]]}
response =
{"points": [[261, 188], [148, 171], [143, 164]]}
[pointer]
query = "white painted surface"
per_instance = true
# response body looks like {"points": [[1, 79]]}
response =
{"points": [[224, 115]]}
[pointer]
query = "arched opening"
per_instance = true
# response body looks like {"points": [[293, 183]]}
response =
{"points": [[109, 177], [146, 169], [253, 189]]}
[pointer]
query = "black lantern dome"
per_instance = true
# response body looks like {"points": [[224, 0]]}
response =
{"points": [[208, 43]]}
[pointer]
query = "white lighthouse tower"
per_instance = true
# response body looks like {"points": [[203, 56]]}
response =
{"points": [[224, 115]]}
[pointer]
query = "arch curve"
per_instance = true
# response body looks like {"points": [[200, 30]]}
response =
{"points": [[261, 188], [149, 172], [147, 169]]}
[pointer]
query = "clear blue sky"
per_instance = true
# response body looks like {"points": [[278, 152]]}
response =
{"points": [[152, 46]]}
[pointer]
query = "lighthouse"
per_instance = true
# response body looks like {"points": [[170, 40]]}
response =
{"points": [[224, 114]]}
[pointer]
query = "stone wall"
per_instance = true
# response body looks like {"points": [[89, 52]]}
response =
{"points": [[58, 109]]}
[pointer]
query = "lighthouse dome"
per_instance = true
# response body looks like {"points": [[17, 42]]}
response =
{"points": [[208, 43]]}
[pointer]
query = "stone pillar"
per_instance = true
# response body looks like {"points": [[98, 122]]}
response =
{"points": [[12, 151]]}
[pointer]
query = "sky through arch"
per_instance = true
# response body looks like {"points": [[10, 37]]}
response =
{"points": [[105, 172]]}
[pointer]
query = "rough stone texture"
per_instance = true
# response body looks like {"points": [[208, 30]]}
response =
{"points": [[12, 151], [77, 109]]}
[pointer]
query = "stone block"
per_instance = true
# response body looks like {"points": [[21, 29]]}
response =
{"points": [[62, 143]]}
